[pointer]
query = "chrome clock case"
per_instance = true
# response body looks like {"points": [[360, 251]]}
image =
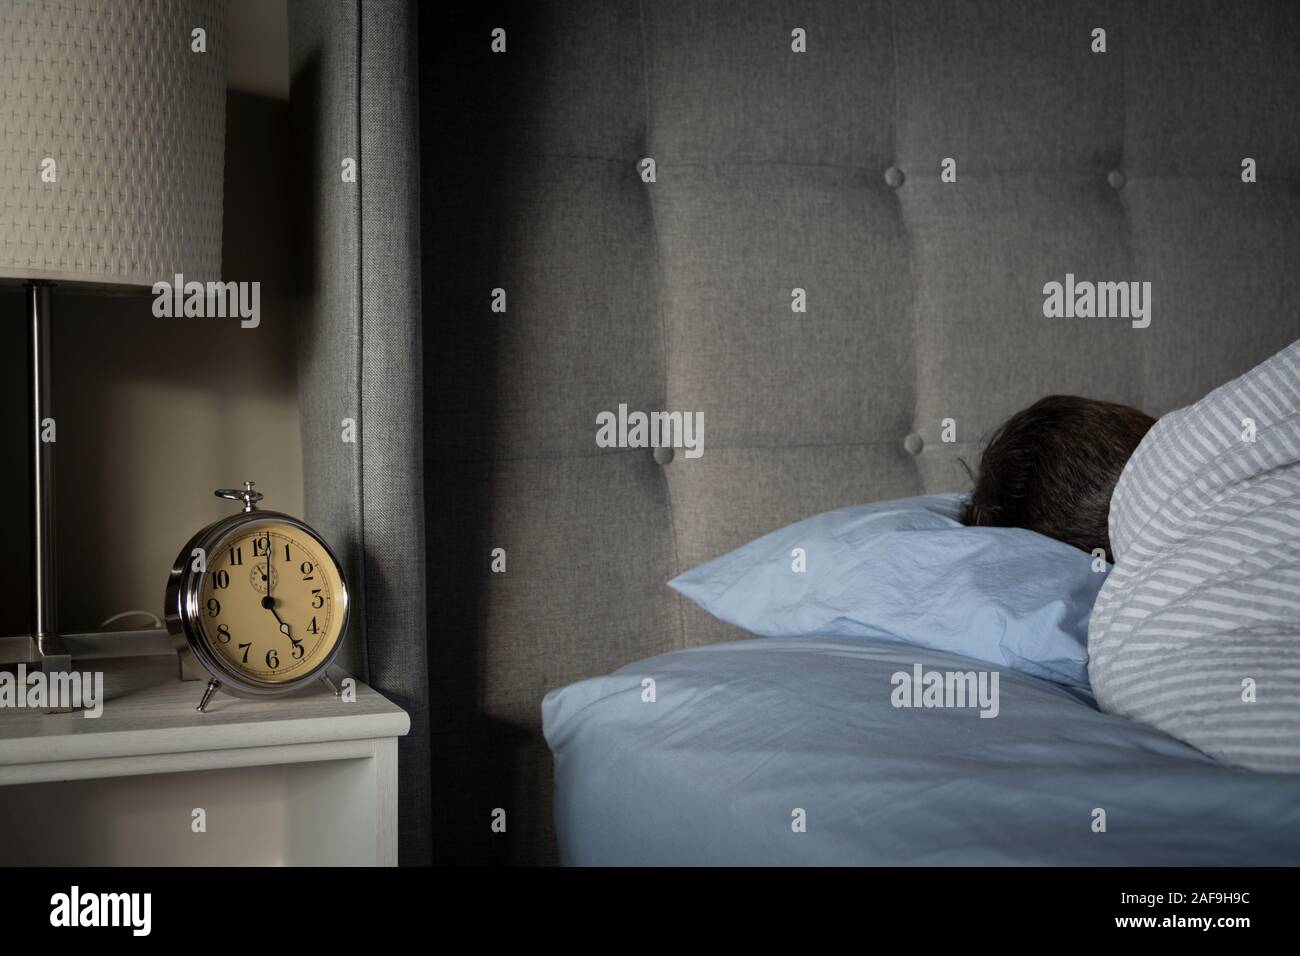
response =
{"points": [[184, 613]]}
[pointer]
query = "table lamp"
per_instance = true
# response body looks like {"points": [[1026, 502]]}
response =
{"points": [[112, 154]]}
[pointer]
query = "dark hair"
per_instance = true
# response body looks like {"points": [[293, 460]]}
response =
{"points": [[1053, 467]]}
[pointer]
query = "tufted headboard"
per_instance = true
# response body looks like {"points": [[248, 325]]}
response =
{"points": [[775, 171]]}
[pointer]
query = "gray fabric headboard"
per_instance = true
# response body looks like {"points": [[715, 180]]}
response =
{"points": [[354, 102], [778, 170]]}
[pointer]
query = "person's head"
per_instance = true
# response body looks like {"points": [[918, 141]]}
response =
{"points": [[1052, 468]]}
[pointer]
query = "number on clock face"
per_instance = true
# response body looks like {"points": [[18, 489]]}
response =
{"points": [[272, 602]]}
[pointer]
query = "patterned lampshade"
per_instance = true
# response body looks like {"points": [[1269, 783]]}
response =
{"points": [[112, 132]]}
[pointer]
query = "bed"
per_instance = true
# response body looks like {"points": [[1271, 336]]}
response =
{"points": [[741, 736], [776, 171]]}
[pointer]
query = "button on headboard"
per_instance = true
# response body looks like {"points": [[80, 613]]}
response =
{"points": [[777, 171]]}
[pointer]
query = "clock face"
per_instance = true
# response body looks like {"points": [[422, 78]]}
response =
{"points": [[272, 604]]}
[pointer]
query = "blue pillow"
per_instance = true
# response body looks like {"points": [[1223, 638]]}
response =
{"points": [[909, 570]]}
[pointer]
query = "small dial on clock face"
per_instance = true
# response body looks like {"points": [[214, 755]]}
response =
{"points": [[272, 602]]}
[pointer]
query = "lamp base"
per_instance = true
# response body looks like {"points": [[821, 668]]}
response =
{"points": [[187, 667], [53, 656]]}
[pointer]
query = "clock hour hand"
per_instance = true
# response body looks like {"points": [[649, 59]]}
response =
{"points": [[269, 604]]}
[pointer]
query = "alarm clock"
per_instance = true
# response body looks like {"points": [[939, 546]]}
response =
{"points": [[258, 601]]}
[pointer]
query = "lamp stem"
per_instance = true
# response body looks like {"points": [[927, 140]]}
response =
{"points": [[51, 652]]}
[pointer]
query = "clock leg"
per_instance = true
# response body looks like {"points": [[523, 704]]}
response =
{"points": [[213, 686], [333, 688]]}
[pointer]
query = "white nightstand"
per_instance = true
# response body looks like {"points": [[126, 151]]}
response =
{"points": [[303, 780]]}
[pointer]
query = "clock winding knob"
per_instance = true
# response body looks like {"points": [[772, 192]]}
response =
{"points": [[248, 496]]}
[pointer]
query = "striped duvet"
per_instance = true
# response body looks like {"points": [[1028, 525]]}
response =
{"points": [[1197, 629]]}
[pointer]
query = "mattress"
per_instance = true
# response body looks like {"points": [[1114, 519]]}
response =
{"points": [[792, 752]]}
